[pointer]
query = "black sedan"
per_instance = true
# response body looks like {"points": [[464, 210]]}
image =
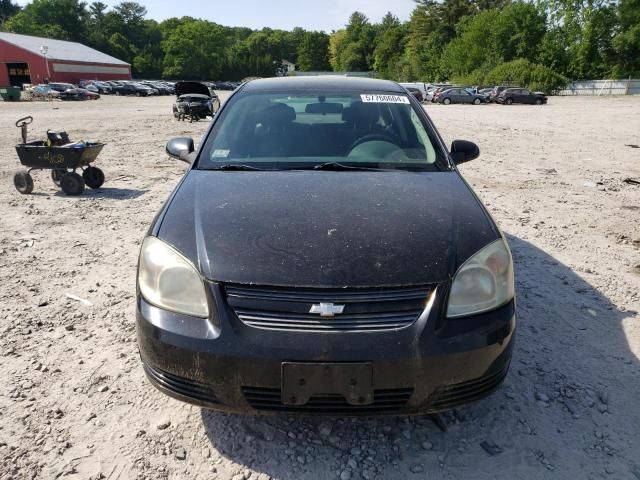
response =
{"points": [[132, 89], [458, 95], [521, 95], [323, 255]]}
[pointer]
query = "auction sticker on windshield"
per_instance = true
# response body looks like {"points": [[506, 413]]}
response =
{"points": [[376, 98]]}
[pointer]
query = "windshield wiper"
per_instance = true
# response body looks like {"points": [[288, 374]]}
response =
{"points": [[336, 166], [230, 167]]}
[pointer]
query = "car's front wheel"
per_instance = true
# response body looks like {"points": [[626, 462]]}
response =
{"points": [[538, 101], [477, 101]]}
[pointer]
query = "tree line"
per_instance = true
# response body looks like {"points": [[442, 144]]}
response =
{"points": [[540, 43]]}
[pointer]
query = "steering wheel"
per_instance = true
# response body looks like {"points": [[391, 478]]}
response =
{"points": [[372, 137], [24, 121]]}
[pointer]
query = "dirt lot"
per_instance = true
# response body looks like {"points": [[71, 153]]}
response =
{"points": [[74, 402]]}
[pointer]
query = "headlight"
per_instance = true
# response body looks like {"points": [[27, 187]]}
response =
{"points": [[484, 282], [170, 281]]}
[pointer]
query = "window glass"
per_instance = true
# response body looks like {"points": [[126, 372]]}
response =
{"points": [[279, 131]]}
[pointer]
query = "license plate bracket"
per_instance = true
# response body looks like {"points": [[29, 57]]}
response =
{"points": [[301, 381]]}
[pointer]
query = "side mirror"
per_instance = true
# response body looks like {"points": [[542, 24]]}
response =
{"points": [[464, 151], [181, 148]]}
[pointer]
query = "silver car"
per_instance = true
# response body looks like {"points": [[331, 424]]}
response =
{"points": [[459, 95]]}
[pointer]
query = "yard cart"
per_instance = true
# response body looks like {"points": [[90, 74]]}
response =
{"points": [[63, 157]]}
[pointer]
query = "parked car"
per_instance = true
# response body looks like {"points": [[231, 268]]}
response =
{"points": [[497, 90], [436, 90], [486, 93], [90, 94], [132, 89], [76, 94], [323, 255], [61, 87], [102, 87], [416, 93], [420, 86], [162, 88], [458, 95], [521, 95], [195, 102], [44, 91], [150, 90]]}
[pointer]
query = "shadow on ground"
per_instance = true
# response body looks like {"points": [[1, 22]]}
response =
{"points": [[564, 408], [110, 193]]}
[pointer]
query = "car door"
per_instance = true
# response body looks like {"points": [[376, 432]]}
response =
{"points": [[527, 96], [521, 96], [465, 96], [456, 96]]}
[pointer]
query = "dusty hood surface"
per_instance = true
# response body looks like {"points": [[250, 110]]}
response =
{"points": [[315, 228]]}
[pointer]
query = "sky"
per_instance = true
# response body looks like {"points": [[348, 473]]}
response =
{"points": [[324, 15]]}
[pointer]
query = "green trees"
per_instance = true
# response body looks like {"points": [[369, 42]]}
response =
{"points": [[313, 52], [63, 19], [468, 41], [523, 72], [7, 9], [626, 42], [352, 49], [194, 50]]}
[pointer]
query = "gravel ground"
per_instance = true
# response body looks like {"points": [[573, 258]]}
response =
{"points": [[74, 402]]}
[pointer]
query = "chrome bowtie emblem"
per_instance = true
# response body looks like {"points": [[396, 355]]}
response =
{"points": [[327, 309]]}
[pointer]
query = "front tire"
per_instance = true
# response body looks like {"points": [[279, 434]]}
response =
{"points": [[538, 101], [476, 101], [23, 182], [72, 184]]}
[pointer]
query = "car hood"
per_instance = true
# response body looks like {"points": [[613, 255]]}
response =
{"points": [[183, 88], [332, 229]]}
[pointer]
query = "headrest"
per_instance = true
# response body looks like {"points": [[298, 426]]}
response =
{"points": [[323, 108], [361, 113], [278, 113]]}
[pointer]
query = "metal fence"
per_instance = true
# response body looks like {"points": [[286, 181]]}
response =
{"points": [[602, 87]]}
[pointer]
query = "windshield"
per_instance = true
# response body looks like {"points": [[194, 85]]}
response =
{"points": [[275, 131]]}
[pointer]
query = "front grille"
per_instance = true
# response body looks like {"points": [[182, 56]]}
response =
{"points": [[179, 385], [461, 393], [370, 309], [384, 402]]}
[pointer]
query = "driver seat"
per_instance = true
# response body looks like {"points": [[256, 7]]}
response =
{"points": [[363, 119]]}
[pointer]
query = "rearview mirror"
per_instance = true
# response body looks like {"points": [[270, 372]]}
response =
{"points": [[181, 148], [464, 151]]}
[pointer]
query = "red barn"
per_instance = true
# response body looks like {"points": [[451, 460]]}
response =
{"points": [[26, 59]]}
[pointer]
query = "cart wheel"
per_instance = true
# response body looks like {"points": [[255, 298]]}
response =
{"points": [[56, 175], [72, 183], [23, 182], [93, 177]]}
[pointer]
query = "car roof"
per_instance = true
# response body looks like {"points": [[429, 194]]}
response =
{"points": [[324, 82]]}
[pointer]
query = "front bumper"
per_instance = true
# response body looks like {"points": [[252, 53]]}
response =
{"points": [[430, 366]]}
